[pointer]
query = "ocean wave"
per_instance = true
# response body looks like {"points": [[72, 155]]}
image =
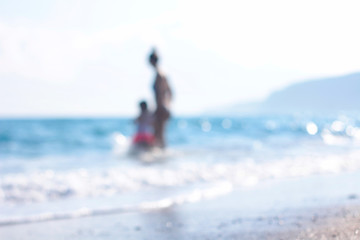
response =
{"points": [[49, 137], [84, 183], [196, 195]]}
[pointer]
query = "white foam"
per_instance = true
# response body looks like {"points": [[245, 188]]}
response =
{"points": [[52, 185], [193, 196]]}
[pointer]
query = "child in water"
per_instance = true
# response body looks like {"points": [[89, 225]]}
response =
{"points": [[144, 135]]}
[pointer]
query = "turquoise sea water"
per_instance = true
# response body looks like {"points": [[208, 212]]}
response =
{"points": [[63, 166]]}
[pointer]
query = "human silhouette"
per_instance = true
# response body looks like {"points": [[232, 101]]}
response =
{"points": [[163, 96], [144, 136]]}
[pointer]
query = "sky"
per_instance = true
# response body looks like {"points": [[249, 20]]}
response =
{"points": [[89, 58]]}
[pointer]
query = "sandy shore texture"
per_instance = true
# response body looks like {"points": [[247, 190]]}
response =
{"points": [[202, 221], [319, 207]]}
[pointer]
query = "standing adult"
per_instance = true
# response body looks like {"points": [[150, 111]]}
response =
{"points": [[163, 96]]}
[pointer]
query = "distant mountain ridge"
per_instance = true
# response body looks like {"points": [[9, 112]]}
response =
{"points": [[325, 95]]}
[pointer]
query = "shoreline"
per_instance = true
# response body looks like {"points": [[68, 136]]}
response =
{"points": [[330, 222], [286, 209]]}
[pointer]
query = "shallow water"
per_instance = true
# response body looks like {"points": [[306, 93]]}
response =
{"points": [[67, 168]]}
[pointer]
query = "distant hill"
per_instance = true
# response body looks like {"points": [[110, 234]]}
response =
{"points": [[326, 95], [322, 95]]}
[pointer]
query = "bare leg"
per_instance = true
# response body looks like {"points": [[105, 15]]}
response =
{"points": [[159, 132], [161, 116]]}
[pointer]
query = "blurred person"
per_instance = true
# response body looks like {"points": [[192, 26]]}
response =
{"points": [[144, 136], [163, 96]]}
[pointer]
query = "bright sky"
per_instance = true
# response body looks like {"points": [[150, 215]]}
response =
{"points": [[89, 57]]}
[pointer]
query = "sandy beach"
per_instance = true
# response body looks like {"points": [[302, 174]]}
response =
{"points": [[278, 210], [332, 222]]}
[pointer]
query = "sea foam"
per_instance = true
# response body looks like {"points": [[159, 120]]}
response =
{"points": [[51, 185]]}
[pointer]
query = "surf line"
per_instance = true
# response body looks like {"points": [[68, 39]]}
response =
{"points": [[194, 196]]}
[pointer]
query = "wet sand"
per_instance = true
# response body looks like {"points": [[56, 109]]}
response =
{"points": [[291, 209], [332, 222]]}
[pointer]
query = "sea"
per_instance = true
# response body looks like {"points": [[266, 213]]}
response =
{"points": [[64, 168]]}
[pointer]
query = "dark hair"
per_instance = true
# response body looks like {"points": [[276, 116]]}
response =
{"points": [[143, 105], [153, 58]]}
